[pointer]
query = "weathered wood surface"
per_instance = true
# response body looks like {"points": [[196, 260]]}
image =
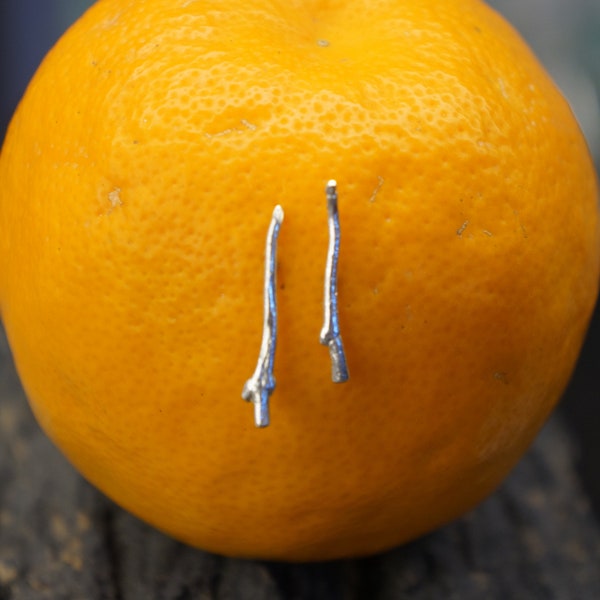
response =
{"points": [[60, 539]]}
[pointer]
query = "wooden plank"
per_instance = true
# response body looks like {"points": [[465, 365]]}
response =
{"points": [[60, 539]]}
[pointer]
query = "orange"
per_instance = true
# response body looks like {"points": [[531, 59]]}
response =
{"points": [[137, 183]]}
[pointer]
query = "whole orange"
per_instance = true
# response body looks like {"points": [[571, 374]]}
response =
{"points": [[137, 182]]}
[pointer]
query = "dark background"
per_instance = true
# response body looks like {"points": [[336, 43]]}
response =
{"points": [[564, 33]]}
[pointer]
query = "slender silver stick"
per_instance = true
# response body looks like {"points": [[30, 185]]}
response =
{"points": [[261, 385], [330, 333]]}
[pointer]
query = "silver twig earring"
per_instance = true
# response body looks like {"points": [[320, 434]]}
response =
{"points": [[330, 333], [260, 386]]}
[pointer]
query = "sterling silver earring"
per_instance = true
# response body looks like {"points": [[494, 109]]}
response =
{"points": [[330, 333], [261, 385]]}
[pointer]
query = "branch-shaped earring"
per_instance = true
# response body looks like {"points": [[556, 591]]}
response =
{"points": [[330, 333], [261, 385]]}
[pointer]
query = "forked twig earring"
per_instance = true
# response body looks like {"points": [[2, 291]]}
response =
{"points": [[261, 385], [330, 333]]}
